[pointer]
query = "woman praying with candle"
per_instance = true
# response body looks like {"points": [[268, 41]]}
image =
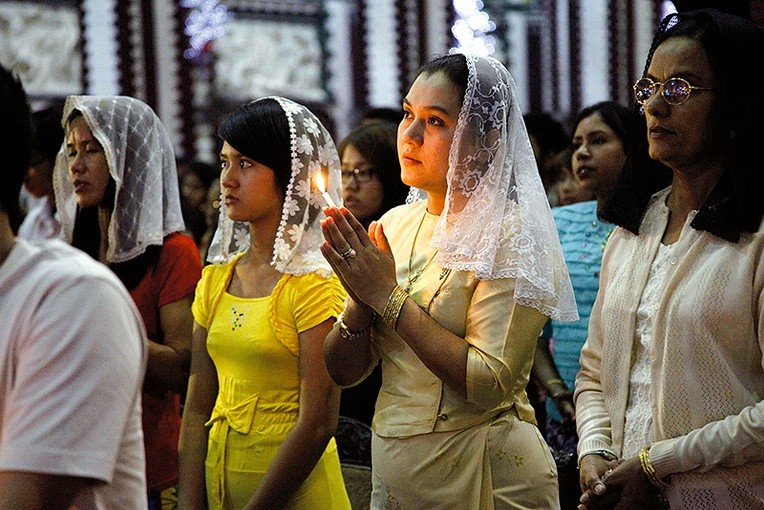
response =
{"points": [[450, 293]]}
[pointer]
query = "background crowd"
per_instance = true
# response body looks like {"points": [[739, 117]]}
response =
{"points": [[556, 317]]}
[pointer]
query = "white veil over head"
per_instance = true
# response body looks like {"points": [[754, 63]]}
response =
{"points": [[141, 162], [296, 247], [497, 221]]}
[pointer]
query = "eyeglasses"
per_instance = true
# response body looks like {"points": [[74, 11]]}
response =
{"points": [[360, 175], [675, 90]]}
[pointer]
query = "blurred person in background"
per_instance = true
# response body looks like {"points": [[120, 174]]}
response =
{"points": [[604, 134], [41, 220], [371, 186], [548, 139]]}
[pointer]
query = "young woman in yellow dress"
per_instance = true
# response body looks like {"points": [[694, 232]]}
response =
{"points": [[261, 410], [450, 293]]}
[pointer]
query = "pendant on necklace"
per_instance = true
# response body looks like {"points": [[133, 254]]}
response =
{"points": [[412, 279]]}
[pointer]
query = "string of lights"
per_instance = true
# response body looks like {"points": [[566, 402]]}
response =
{"points": [[206, 22], [471, 29]]}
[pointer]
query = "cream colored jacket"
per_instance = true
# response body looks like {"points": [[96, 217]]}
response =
{"points": [[502, 337], [706, 357]]}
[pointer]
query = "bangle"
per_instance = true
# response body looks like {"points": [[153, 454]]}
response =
{"points": [[552, 382], [347, 334], [647, 467], [393, 307]]}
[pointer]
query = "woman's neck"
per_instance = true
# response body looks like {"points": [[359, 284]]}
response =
{"points": [[601, 199], [689, 191], [104, 218], [262, 237], [435, 203]]}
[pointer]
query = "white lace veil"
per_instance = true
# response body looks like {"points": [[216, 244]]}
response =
{"points": [[496, 220], [142, 163], [296, 248]]}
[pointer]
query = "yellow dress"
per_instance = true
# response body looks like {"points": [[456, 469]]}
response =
{"points": [[254, 345]]}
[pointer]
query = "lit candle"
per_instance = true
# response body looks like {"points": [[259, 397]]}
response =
{"points": [[322, 189]]}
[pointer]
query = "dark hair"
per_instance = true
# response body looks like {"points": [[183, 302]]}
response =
{"points": [[377, 143], [384, 114], [49, 134], [260, 131], [15, 144], [453, 66], [204, 171], [549, 134], [735, 50], [625, 122], [740, 8]]}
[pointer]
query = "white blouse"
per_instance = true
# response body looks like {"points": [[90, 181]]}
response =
{"points": [[638, 430]]}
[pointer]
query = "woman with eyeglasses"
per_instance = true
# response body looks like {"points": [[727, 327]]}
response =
{"points": [[670, 396], [371, 174]]}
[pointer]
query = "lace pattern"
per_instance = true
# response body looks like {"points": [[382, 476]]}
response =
{"points": [[497, 221], [296, 248], [141, 162], [638, 430]]}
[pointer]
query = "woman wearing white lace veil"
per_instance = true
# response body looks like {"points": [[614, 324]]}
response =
{"points": [[261, 411], [117, 193], [451, 293]]}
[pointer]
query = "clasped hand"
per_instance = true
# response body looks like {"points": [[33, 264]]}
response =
{"points": [[620, 484], [363, 261]]}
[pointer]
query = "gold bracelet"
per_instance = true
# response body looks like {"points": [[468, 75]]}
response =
{"points": [[647, 467], [352, 336], [393, 307], [550, 382]]}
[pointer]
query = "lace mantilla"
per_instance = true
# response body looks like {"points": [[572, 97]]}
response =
{"points": [[296, 248], [141, 162], [497, 221]]}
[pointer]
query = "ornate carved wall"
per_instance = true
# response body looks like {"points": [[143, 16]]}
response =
{"points": [[41, 42], [338, 56]]}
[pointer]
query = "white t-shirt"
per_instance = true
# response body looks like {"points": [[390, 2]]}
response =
{"points": [[72, 361]]}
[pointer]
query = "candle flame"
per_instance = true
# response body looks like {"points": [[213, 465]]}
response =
{"points": [[320, 183]]}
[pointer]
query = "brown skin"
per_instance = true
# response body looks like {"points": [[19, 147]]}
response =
{"points": [[364, 199], [89, 172], [251, 190], [36, 491], [424, 138], [687, 139], [598, 156]]}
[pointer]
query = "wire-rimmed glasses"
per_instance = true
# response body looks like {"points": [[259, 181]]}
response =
{"points": [[675, 90]]}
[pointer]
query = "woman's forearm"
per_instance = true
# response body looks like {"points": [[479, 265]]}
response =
{"points": [[442, 352], [349, 359], [192, 452], [167, 366]]}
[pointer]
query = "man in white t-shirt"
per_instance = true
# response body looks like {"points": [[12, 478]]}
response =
{"points": [[72, 360]]}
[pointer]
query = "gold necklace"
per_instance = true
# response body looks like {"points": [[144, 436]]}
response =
{"points": [[412, 278]]}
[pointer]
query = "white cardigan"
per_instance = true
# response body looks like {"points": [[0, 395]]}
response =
{"points": [[708, 335]]}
